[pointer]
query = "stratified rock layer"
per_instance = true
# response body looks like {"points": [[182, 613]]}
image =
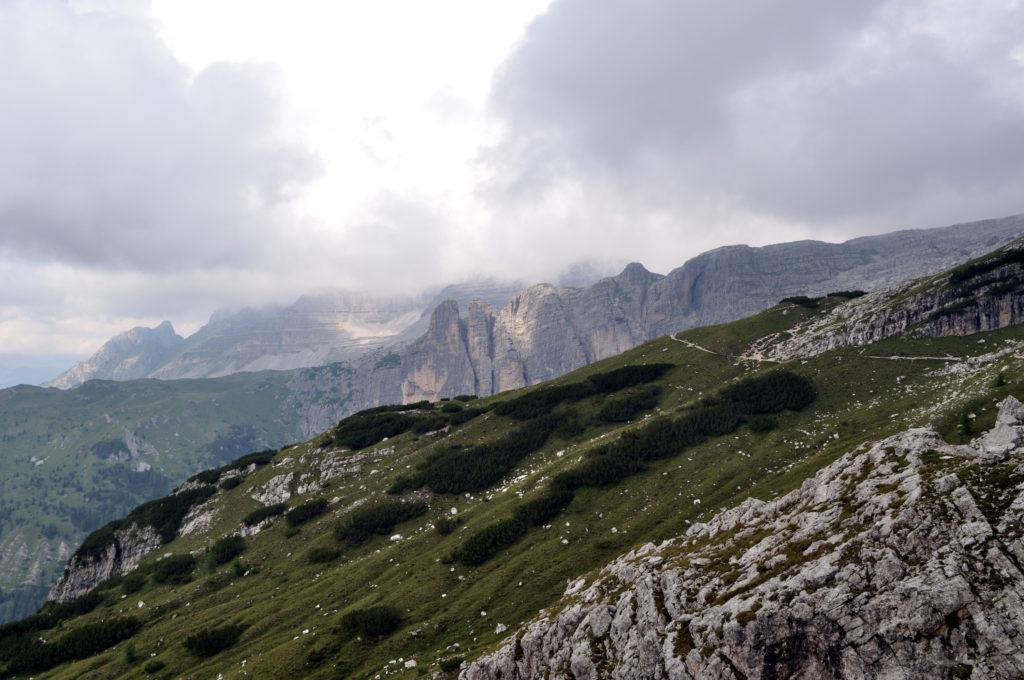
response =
{"points": [[901, 561]]}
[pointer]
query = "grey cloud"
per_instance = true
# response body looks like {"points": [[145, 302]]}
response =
{"points": [[114, 155], [813, 113]]}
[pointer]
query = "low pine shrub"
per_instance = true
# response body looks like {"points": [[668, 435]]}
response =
{"points": [[374, 622], [175, 569], [78, 643], [301, 514], [260, 514], [212, 641], [227, 549], [379, 518], [230, 483], [322, 555]]}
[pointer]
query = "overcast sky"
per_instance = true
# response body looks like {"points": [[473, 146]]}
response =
{"points": [[161, 160]]}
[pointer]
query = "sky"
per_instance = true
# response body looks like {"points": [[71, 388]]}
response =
{"points": [[160, 160]]}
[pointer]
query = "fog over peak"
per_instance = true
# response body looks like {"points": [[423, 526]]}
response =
{"points": [[162, 160]]}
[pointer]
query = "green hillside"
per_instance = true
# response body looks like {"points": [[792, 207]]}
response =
{"points": [[72, 460], [488, 520]]}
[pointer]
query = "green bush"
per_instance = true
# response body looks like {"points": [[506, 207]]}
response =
{"points": [[230, 483], [154, 666], [451, 664], [772, 393], [260, 514], [206, 477], [78, 643], [622, 408], [451, 407], [464, 397], [322, 555], [446, 525], [175, 569], [211, 641], [301, 514], [801, 300], [375, 622], [379, 518], [848, 294], [431, 423], [227, 549], [483, 544], [133, 582], [762, 423]]}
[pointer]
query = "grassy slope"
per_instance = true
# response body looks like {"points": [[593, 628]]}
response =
{"points": [[860, 399], [188, 421]]}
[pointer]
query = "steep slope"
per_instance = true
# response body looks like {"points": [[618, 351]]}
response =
{"points": [[356, 582], [73, 460], [128, 356]]}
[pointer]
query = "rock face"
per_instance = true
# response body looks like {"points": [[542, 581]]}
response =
{"points": [[991, 300], [128, 356], [546, 331], [130, 545], [901, 561]]}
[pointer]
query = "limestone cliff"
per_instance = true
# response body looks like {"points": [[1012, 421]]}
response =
{"points": [[902, 560]]}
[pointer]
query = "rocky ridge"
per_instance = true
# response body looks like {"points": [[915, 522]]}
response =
{"points": [[902, 560], [940, 307]]}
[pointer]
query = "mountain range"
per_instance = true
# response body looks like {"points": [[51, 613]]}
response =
{"points": [[830, 488], [486, 336]]}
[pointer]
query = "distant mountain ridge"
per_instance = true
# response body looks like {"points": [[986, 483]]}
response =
{"points": [[546, 331], [488, 336]]}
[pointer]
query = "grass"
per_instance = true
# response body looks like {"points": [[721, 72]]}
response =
{"points": [[292, 606]]}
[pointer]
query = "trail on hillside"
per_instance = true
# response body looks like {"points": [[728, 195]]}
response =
{"points": [[694, 345]]}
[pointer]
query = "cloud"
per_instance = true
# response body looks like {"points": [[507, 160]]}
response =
{"points": [[763, 120], [113, 155]]}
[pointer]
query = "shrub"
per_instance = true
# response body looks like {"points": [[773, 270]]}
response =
{"points": [[801, 301], [446, 525], [133, 582], [627, 406], [430, 423], [227, 549], [762, 423], [541, 401], [374, 622], [451, 407], [257, 458], [211, 641], [464, 397], [465, 415], [206, 477], [848, 294], [451, 664], [322, 555], [78, 643], [379, 518], [772, 393], [628, 376], [175, 569], [260, 514], [154, 666], [360, 431], [485, 543], [301, 514], [230, 483]]}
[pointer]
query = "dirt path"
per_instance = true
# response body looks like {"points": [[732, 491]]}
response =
{"points": [[694, 345]]}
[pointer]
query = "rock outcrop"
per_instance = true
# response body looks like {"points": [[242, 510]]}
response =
{"points": [[991, 300], [900, 561], [83, 573]]}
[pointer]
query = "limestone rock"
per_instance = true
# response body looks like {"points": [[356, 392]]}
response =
{"points": [[892, 562]]}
